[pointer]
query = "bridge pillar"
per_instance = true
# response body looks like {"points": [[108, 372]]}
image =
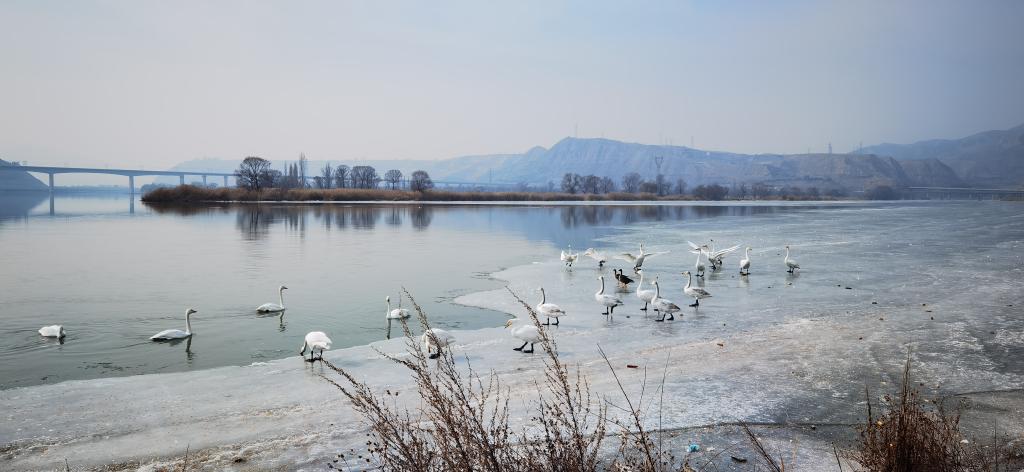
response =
{"points": [[181, 179], [131, 184], [51, 182]]}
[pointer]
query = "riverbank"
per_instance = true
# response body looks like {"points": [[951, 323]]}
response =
{"points": [[187, 194]]}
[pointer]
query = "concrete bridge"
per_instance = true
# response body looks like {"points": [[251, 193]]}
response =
{"points": [[130, 173]]}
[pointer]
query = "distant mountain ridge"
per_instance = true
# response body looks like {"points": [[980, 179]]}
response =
{"points": [[993, 158], [990, 158]]}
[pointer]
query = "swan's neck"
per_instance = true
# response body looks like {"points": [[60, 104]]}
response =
{"points": [[188, 322], [688, 279], [601, 292], [389, 306], [657, 291], [787, 254], [543, 297], [280, 296]]}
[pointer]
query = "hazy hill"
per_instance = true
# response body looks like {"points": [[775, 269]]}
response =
{"points": [[19, 180], [990, 158]]}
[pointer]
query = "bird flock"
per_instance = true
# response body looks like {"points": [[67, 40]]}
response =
{"points": [[434, 340]]}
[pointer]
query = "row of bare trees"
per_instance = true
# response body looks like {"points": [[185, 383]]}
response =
{"points": [[255, 173]]}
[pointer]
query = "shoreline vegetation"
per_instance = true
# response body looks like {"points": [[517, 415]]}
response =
{"points": [[464, 422], [188, 194]]}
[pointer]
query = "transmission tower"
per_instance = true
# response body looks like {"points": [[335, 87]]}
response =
{"points": [[657, 162]]}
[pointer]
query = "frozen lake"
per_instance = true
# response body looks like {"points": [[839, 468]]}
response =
{"points": [[940, 280]]}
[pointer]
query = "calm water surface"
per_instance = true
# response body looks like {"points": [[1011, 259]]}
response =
{"points": [[115, 271]]}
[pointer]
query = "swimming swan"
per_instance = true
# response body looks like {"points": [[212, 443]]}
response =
{"points": [[273, 307], [169, 334]]}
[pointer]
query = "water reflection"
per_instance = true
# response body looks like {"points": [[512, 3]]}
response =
{"points": [[255, 220]]}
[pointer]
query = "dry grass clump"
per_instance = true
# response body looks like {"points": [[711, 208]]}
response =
{"points": [[462, 422], [195, 194], [916, 434]]}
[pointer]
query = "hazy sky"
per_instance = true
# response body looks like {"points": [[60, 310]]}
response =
{"points": [[137, 83]]}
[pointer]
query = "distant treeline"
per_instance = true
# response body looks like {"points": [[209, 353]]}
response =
{"points": [[256, 181], [198, 194]]}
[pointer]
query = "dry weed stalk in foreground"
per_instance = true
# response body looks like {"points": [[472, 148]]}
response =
{"points": [[462, 422], [914, 437]]}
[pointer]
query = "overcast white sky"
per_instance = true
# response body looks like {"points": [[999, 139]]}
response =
{"points": [[145, 83]]}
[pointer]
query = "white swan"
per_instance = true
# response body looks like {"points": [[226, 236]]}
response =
{"points": [[549, 310], [568, 257], [696, 292], [527, 333], [699, 267], [398, 313], [315, 341], [717, 258], [745, 262], [274, 307], [790, 263], [600, 257], [646, 295], [436, 338], [609, 301], [169, 334], [662, 305], [54, 331], [638, 260]]}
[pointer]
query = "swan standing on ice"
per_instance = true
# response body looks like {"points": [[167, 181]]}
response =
{"points": [[315, 341], [609, 301], [699, 266], [745, 263], [646, 295], [717, 258], [169, 334], [527, 333], [436, 338], [568, 257], [549, 310], [622, 279], [638, 260], [790, 263], [662, 305], [597, 256], [274, 307], [696, 292], [54, 331]]}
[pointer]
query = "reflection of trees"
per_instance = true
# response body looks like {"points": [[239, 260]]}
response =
{"points": [[394, 214], [421, 216]]}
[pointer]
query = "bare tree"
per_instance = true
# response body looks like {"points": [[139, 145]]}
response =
{"points": [[420, 181], [591, 183], [341, 175], [572, 183], [252, 173], [393, 177], [327, 176], [303, 165], [364, 177], [606, 185], [680, 186], [631, 182]]}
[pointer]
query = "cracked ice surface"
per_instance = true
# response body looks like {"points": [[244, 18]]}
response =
{"points": [[771, 347]]}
